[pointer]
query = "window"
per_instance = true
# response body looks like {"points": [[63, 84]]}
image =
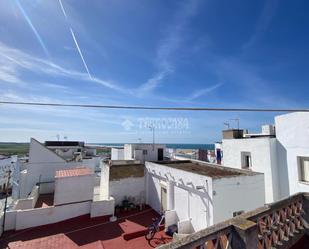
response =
{"points": [[303, 164], [246, 162], [145, 152]]}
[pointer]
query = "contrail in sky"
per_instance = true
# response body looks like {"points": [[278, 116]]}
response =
{"points": [[32, 27], [75, 40]]}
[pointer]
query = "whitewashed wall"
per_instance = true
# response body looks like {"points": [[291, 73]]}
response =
{"points": [[29, 202], [264, 160], [117, 154], [104, 183], [39, 154], [182, 195], [49, 215], [102, 207], [73, 189], [153, 191], [242, 193], [22, 219], [293, 140], [10, 220], [133, 187], [128, 153]]}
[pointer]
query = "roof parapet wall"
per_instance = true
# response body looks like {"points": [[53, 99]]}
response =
{"points": [[277, 225], [207, 169]]}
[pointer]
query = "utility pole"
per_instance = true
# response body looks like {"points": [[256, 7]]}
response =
{"points": [[151, 127], [6, 198]]}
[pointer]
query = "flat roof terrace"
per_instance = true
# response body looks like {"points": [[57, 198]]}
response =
{"points": [[207, 169], [126, 170]]}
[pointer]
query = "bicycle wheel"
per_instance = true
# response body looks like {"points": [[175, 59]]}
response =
{"points": [[150, 233]]}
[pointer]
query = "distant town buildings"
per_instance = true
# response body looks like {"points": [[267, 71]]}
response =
{"points": [[142, 152], [7, 164], [66, 179], [45, 159]]}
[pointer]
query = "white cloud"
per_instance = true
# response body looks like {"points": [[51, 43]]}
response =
{"points": [[203, 91], [153, 82], [8, 74], [169, 45], [263, 22], [55, 86], [12, 61]]}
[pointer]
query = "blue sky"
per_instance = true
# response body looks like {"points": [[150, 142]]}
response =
{"points": [[150, 53]]}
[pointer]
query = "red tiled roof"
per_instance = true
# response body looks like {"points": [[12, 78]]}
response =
{"points": [[80, 171], [53, 241], [89, 233]]}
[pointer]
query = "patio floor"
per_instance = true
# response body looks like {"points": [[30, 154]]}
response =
{"points": [[44, 200], [86, 233]]}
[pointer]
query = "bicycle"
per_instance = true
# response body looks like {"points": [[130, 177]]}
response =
{"points": [[154, 227]]}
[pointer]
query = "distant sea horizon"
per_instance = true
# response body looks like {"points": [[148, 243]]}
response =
{"points": [[172, 146]]}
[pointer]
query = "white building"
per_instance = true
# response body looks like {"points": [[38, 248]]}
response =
{"points": [[57, 182], [257, 153], [281, 152], [195, 195], [117, 153], [142, 152], [73, 186], [292, 131], [45, 160], [72, 196], [71, 149], [123, 180]]}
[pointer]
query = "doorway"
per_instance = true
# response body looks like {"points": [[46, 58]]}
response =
{"points": [[160, 154]]}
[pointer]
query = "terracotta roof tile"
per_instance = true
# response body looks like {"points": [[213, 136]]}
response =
{"points": [[80, 171]]}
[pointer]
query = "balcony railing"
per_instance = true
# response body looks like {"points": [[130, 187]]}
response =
{"points": [[278, 225]]}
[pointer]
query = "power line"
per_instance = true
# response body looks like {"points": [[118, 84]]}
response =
{"points": [[156, 107]]}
